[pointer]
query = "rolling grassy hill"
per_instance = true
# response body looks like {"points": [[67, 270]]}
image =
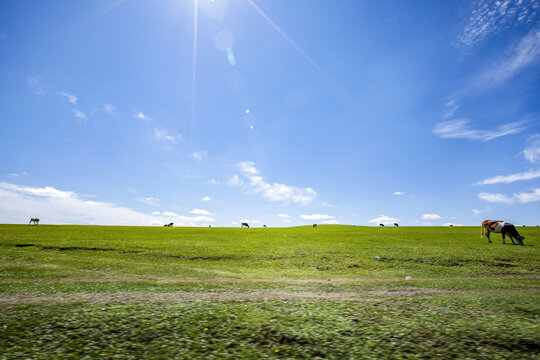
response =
{"points": [[332, 292]]}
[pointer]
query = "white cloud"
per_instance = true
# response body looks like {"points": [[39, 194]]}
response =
{"points": [[431, 216], [200, 212], [522, 55], [212, 182], [53, 206], [274, 191], [330, 222], [325, 204], [34, 82], [476, 212], [284, 216], [451, 224], [162, 134], [199, 155], [170, 213], [287, 221], [206, 198], [459, 129], [398, 193], [505, 179], [316, 217], [248, 168], [489, 17], [141, 116], [250, 221], [520, 198], [156, 213], [450, 108], [149, 201], [235, 181], [109, 109], [383, 219], [80, 115], [70, 97], [532, 152]]}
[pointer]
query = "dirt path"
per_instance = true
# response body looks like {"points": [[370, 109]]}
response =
{"points": [[177, 297], [131, 279]]}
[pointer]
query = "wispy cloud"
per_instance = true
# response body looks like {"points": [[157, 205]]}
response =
{"points": [[517, 198], [489, 17], [80, 115], [163, 134], [459, 129], [383, 219], [198, 155], [200, 212], [34, 82], [532, 151], [20, 203], [235, 181], [450, 108], [430, 216], [284, 216], [110, 109], [148, 200], [505, 179], [206, 198], [212, 182], [398, 193], [270, 191], [141, 116], [519, 57], [316, 217], [330, 222], [70, 97]]}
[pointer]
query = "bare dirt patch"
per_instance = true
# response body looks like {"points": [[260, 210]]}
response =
{"points": [[173, 297]]}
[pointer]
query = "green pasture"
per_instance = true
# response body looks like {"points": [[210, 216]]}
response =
{"points": [[329, 292]]}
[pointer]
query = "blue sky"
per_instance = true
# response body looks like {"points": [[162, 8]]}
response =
{"points": [[277, 112]]}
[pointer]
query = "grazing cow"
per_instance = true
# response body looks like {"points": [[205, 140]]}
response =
{"points": [[502, 227], [245, 225], [396, 225], [314, 225], [169, 225], [264, 225], [35, 221], [381, 225]]}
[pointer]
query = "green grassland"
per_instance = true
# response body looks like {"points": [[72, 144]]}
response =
{"points": [[331, 292]]}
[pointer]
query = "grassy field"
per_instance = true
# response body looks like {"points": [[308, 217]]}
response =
{"points": [[332, 292]]}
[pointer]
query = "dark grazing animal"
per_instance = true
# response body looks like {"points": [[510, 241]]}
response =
{"points": [[245, 225], [381, 225], [35, 221], [502, 227], [314, 225], [396, 224], [264, 225], [169, 225]]}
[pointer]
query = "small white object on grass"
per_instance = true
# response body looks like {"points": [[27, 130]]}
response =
{"points": [[340, 243], [408, 278], [285, 235], [377, 257]]}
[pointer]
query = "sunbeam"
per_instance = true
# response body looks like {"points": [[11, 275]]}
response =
{"points": [[302, 52], [193, 71]]}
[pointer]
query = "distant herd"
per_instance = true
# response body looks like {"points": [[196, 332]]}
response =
{"points": [[488, 226]]}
